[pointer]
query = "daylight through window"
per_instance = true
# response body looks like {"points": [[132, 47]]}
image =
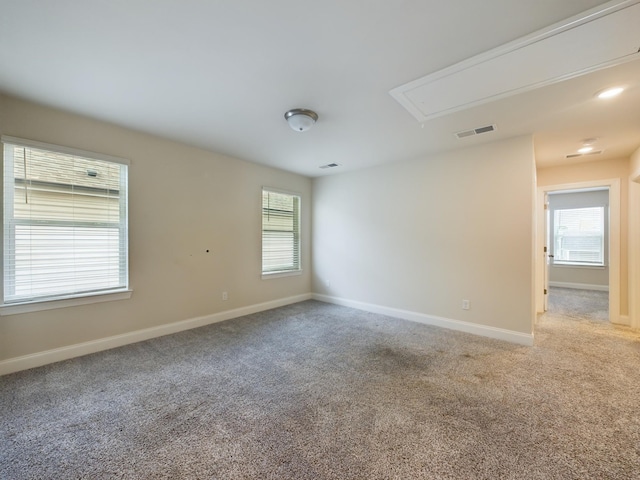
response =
{"points": [[579, 236], [280, 232], [65, 223]]}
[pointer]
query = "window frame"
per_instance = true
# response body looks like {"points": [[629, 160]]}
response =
{"points": [[297, 235], [576, 263], [76, 298]]}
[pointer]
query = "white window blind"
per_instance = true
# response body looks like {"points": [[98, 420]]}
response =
{"points": [[579, 236], [280, 232], [65, 223]]}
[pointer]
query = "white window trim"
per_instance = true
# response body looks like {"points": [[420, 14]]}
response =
{"points": [[285, 273], [39, 305], [578, 265], [21, 142], [72, 300], [289, 273], [574, 264]]}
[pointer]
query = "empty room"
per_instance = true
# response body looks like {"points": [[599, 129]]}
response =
{"points": [[320, 240]]}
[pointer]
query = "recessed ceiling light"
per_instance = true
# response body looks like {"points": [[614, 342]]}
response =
{"points": [[610, 92], [585, 149]]}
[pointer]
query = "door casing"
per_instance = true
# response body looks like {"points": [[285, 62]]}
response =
{"points": [[614, 241]]}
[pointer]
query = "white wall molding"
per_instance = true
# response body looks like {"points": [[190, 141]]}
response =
{"points": [[580, 286], [624, 320], [474, 328], [71, 351]]}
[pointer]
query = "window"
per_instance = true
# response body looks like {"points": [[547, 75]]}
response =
{"points": [[579, 236], [65, 223], [280, 232]]}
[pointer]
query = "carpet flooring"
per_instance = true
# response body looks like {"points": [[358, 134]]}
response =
{"points": [[579, 304], [318, 391]]}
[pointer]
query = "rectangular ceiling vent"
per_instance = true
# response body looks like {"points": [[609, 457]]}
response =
{"points": [[574, 155], [330, 165], [475, 131]]}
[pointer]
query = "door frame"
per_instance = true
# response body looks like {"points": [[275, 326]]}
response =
{"points": [[634, 249], [614, 241], [546, 249]]}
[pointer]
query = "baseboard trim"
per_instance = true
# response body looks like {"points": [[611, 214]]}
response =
{"points": [[39, 359], [623, 320], [467, 327], [580, 286]]}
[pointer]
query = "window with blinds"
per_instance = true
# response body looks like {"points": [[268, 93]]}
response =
{"points": [[65, 223], [579, 236], [280, 232]]}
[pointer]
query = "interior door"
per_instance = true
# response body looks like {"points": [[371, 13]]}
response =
{"points": [[547, 249]]}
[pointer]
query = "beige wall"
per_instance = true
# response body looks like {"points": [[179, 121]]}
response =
{"points": [[423, 235], [594, 171], [634, 240], [183, 201], [634, 166]]}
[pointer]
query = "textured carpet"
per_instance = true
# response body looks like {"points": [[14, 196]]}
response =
{"points": [[317, 391], [579, 304]]}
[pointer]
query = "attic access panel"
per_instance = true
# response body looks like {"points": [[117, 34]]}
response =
{"points": [[599, 38]]}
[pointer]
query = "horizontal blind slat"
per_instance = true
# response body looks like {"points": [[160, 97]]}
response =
{"points": [[579, 235], [65, 229], [280, 232]]}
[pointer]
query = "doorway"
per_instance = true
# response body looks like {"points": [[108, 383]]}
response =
{"points": [[613, 260], [578, 253]]}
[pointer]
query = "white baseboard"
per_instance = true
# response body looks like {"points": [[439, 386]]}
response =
{"points": [[64, 353], [580, 286], [474, 328], [623, 320]]}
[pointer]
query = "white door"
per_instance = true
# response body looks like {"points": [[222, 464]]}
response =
{"points": [[547, 250]]}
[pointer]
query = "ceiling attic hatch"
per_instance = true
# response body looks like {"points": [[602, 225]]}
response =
{"points": [[475, 131], [601, 37]]}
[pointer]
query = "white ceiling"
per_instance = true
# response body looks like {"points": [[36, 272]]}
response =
{"points": [[220, 74]]}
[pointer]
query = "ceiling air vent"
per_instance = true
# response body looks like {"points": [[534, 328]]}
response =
{"points": [[330, 165], [475, 131], [574, 155]]}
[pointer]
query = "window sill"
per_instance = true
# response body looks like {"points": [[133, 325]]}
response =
{"points": [[292, 273], [579, 265], [36, 306]]}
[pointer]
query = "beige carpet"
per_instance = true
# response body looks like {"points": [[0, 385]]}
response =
{"points": [[579, 304], [316, 391]]}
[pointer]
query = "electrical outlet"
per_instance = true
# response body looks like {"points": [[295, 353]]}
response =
{"points": [[225, 296], [465, 305]]}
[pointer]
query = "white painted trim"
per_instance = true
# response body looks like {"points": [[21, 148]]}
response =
{"points": [[634, 241], [580, 286], [624, 320], [71, 351], [614, 238], [23, 142], [541, 273], [37, 306], [474, 328], [290, 273]]}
